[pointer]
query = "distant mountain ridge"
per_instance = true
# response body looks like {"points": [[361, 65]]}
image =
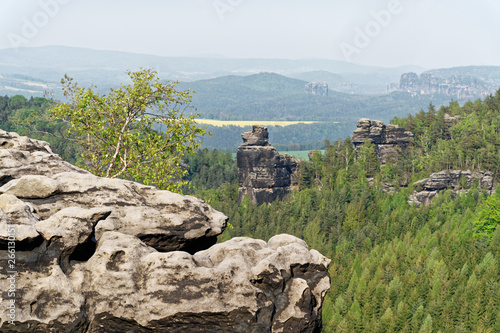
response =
{"points": [[107, 68], [233, 89]]}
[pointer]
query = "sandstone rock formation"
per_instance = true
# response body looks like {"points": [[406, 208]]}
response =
{"points": [[388, 139], [454, 180], [109, 255], [264, 175], [317, 88], [20, 156], [458, 86]]}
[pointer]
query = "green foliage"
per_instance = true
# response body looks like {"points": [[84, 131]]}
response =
{"points": [[27, 117], [136, 132], [489, 217], [367, 158], [456, 137], [210, 169]]}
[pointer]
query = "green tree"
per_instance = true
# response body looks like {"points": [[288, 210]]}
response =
{"points": [[367, 158], [427, 325], [489, 217], [138, 131]]}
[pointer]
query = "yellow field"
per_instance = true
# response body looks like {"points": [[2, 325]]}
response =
{"points": [[243, 123]]}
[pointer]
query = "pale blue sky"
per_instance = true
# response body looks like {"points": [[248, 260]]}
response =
{"points": [[429, 33]]}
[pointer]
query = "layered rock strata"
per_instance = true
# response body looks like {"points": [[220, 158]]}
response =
{"points": [[108, 255], [453, 180], [264, 175], [389, 140]]}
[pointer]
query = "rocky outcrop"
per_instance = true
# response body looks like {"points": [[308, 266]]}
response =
{"points": [[108, 255], [389, 140], [451, 120], [264, 175], [20, 156], [317, 88], [454, 86], [454, 180]]}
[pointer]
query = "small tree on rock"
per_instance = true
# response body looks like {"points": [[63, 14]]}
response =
{"points": [[138, 131]]}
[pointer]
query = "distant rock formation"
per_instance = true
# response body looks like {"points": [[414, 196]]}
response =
{"points": [[455, 86], [388, 139], [110, 255], [454, 180], [264, 175], [317, 88], [450, 121]]}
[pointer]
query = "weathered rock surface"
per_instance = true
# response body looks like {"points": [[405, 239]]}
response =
{"points": [[101, 255], [317, 88], [163, 220], [264, 175], [389, 140], [258, 136], [15, 211], [22, 156], [454, 180]]}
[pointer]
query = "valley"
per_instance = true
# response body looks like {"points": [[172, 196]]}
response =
{"points": [[405, 204]]}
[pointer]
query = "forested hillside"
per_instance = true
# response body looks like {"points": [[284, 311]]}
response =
{"points": [[270, 96], [396, 267], [21, 115]]}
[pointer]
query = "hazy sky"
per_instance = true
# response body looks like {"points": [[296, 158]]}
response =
{"points": [[429, 33]]}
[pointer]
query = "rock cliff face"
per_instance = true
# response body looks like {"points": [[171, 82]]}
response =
{"points": [[317, 88], [388, 139], [109, 255], [454, 180], [264, 175], [455, 86]]}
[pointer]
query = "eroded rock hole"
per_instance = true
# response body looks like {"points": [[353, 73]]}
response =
{"points": [[85, 250], [5, 179]]}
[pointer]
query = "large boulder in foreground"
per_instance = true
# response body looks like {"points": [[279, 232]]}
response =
{"points": [[164, 220], [108, 255]]}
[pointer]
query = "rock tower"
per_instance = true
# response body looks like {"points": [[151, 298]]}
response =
{"points": [[264, 175]]}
